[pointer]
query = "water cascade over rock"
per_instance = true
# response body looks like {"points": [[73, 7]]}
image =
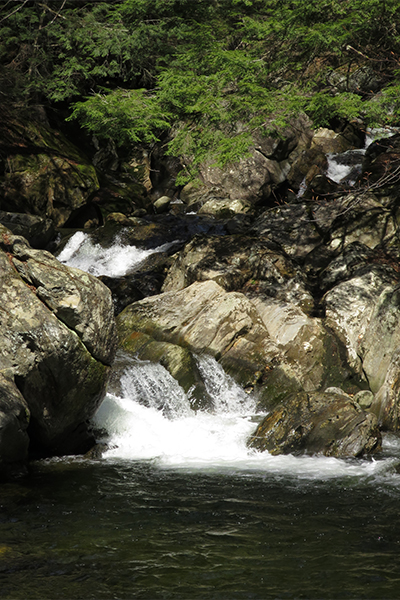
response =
{"points": [[290, 299]]}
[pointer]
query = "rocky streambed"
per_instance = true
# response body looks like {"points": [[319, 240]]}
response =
{"points": [[289, 279]]}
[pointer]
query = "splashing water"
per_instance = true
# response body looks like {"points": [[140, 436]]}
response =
{"points": [[346, 166], [228, 397], [152, 419], [116, 261]]}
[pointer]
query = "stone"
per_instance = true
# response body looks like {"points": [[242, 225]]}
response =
{"points": [[37, 230], [254, 177], [364, 398], [162, 204], [381, 164], [318, 423], [331, 142], [248, 180], [310, 353], [58, 341], [223, 208], [292, 227]]}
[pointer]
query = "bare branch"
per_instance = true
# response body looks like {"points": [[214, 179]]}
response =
{"points": [[57, 14], [14, 11]]}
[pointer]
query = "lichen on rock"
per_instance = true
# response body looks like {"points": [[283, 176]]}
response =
{"points": [[57, 343]]}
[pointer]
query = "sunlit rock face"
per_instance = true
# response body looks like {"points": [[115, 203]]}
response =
{"points": [[57, 344]]}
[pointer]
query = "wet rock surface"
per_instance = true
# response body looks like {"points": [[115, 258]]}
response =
{"points": [[320, 423]]}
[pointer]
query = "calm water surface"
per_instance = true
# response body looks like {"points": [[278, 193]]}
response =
{"points": [[134, 529]]}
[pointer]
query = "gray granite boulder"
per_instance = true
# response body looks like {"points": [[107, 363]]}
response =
{"points": [[58, 341]]}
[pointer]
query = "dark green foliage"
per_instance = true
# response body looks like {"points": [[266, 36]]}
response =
{"points": [[206, 73]]}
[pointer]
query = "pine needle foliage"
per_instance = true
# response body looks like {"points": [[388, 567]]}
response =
{"points": [[204, 75]]}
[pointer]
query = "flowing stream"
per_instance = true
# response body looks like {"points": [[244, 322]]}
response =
{"points": [[179, 507], [345, 167]]}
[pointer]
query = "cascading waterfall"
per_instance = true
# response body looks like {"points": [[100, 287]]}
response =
{"points": [[120, 259], [345, 167], [150, 417]]}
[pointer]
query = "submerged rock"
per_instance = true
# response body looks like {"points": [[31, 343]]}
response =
{"points": [[319, 423]]}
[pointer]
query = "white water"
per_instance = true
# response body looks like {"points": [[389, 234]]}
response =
{"points": [[152, 420], [116, 261], [341, 166]]}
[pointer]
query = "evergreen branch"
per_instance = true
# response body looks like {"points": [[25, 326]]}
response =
{"points": [[14, 11]]}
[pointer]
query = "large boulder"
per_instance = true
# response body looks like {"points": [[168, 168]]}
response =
{"points": [[291, 226], [363, 311], [320, 423], [252, 179], [266, 344], [352, 307], [310, 355], [45, 174], [57, 344], [205, 318], [256, 267], [358, 217]]}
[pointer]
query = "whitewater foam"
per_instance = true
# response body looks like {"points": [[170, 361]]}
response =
{"points": [[152, 420], [117, 260]]}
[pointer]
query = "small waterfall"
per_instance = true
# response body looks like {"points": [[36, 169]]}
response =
{"points": [[151, 419], [116, 261], [345, 167], [151, 385], [227, 395]]}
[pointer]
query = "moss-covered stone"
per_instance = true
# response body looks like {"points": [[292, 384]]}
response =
{"points": [[46, 175], [57, 341]]}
